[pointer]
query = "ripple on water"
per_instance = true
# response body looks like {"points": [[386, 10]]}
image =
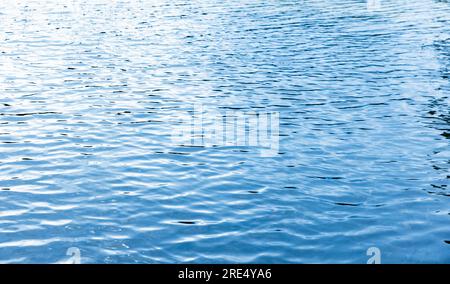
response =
{"points": [[90, 93]]}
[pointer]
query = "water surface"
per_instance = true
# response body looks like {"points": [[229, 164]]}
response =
{"points": [[90, 90]]}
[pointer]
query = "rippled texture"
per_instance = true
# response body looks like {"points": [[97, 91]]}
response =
{"points": [[89, 90]]}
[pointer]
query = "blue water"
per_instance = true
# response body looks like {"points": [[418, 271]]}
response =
{"points": [[89, 91]]}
